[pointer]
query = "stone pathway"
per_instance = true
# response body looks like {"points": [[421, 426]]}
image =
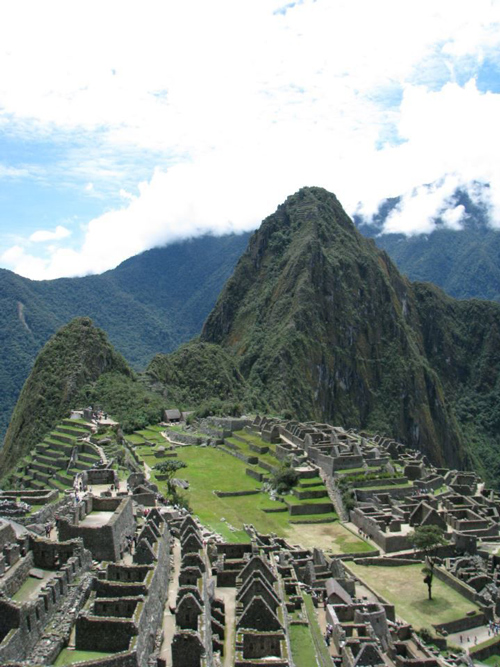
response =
{"points": [[468, 637], [168, 617], [228, 595], [321, 615]]}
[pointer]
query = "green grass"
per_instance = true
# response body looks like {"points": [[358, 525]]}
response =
{"points": [[135, 439], [303, 652], [493, 661], [315, 631], [28, 587], [244, 448], [403, 586], [68, 657], [210, 469], [352, 471]]}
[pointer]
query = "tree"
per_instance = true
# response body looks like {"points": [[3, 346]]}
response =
{"points": [[428, 539], [285, 477], [169, 468]]}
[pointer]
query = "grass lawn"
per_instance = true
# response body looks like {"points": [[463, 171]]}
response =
{"points": [[210, 469], [244, 448], [303, 652], [134, 438], [403, 586], [68, 657]]}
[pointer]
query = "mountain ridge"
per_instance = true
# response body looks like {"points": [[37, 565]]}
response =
{"points": [[464, 262], [150, 303]]}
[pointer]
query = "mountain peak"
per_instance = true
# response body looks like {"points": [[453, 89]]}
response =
{"points": [[323, 325]]}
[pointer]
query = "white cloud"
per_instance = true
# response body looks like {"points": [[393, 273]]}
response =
{"points": [[44, 235], [12, 255], [417, 211], [453, 217], [13, 172], [238, 106]]}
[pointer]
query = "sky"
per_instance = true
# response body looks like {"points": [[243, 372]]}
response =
{"points": [[127, 125]]}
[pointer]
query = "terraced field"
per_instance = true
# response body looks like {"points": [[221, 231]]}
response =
{"points": [[211, 469], [55, 461]]}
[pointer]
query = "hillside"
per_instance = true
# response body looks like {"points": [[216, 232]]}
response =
{"points": [[196, 373], [76, 355], [150, 303], [464, 262], [322, 323]]}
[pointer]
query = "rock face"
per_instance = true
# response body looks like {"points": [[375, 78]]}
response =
{"points": [[77, 354], [324, 325]]}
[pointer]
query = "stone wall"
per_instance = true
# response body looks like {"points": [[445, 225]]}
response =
{"points": [[482, 653], [316, 508], [105, 542], [461, 624], [15, 577], [460, 586], [259, 476], [230, 494], [22, 624]]}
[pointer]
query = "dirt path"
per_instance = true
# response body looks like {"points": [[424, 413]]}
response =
{"points": [[228, 595], [168, 617]]}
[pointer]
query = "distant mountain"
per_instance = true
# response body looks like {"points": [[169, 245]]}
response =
{"points": [[465, 263], [150, 303], [324, 326]]}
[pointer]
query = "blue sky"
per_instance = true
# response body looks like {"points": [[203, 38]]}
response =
{"points": [[125, 125]]}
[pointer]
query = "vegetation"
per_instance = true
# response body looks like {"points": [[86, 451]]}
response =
{"points": [[401, 585], [377, 338], [462, 262], [428, 539], [285, 477], [302, 645], [125, 397], [76, 355], [151, 303], [167, 470], [210, 469], [199, 374]]}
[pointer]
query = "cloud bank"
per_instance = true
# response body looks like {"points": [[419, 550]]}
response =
{"points": [[195, 117]]}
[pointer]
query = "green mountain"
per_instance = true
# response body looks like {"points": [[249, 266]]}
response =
{"points": [[196, 373], [322, 324], [465, 262], [151, 303], [78, 366], [76, 355]]}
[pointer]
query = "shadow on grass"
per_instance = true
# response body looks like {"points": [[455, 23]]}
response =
{"points": [[437, 606]]}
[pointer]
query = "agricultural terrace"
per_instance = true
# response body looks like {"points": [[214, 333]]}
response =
{"points": [[212, 469], [403, 586]]}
